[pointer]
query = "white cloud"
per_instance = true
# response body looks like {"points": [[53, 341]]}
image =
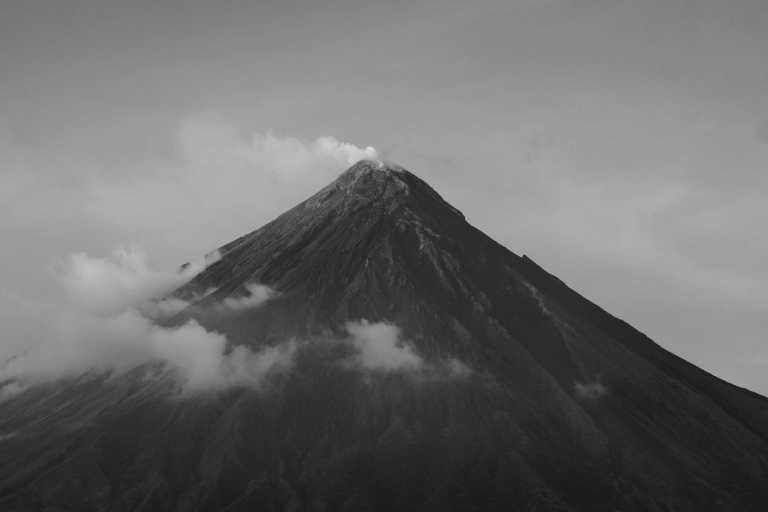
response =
{"points": [[204, 363], [220, 183], [103, 328], [79, 342], [107, 327], [207, 139], [110, 285], [293, 159], [380, 348], [257, 295]]}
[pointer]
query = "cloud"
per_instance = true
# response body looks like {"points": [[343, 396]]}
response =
{"points": [[201, 359], [257, 295], [590, 390], [103, 328], [379, 347], [164, 308], [110, 285], [293, 159], [204, 363], [452, 367], [208, 139], [107, 326], [10, 389], [124, 280], [243, 178]]}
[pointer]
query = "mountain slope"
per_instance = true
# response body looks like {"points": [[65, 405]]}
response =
{"points": [[529, 398]]}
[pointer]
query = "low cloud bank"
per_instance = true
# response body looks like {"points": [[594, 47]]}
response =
{"points": [[379, 347], [200, 358], [107, 326], [102, 328]]}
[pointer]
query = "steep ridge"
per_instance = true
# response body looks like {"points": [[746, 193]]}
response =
{"points": [[558, 406]]}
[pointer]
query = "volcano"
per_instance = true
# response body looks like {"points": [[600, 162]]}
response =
{"points": [[503, 389]]}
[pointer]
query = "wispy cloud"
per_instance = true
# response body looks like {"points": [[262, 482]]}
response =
{"points": [[105, 327]]}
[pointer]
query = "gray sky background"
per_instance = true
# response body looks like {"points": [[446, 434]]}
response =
{"points": [[621, 144]]}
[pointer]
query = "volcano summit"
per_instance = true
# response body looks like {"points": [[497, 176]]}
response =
{"points": [[431, 369]]}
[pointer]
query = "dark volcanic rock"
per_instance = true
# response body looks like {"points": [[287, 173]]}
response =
{"points": [[565, 408]]}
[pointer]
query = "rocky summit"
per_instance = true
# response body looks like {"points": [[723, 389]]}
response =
{"points": [[434, 369]]}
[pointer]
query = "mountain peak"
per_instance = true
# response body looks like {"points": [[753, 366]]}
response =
{"points": [[382, 183], [371, 206], [371, 176], [372, 165]]}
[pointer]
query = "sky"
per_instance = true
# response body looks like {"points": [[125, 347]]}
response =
{"points": [[622, 144]]}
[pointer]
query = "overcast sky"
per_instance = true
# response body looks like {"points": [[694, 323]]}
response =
{"points": [[621, 144]]}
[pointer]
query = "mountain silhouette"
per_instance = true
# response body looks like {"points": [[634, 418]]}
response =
{"points": [[504, 389]]}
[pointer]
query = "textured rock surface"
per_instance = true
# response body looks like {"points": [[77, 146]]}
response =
{"points": [[565, 408]]}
